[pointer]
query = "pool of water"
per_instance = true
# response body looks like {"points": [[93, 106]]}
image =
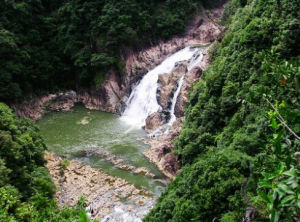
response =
{"points": [[70, 134]]}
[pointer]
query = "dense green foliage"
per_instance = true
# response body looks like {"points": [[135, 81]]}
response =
{"points": [[26, 188], [280, 188], [227, 142], [70, 44]]}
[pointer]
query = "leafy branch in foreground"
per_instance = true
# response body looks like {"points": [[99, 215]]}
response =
{"points": [[280, 188]]}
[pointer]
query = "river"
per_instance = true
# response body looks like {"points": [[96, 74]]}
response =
{"points": [[71, 134]]}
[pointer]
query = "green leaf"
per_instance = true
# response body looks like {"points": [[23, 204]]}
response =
{"points": [[269, 176], [265, 184], [290, 173], [298, 203], [287, 199], [275, 216], [274, 124], [285, 188], [264, 196]]}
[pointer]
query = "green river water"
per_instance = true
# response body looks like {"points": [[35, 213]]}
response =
{"points": [[69, 133]]}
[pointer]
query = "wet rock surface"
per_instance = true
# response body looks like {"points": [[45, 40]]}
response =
{"points": [[117, 161], [162, 136], [161, 148], [154, 121], [103, 192], [168, 84]]}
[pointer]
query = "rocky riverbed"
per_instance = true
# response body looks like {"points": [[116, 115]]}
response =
{"points": [[104, 193]]}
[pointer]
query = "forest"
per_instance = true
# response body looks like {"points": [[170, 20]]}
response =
{"points": [[71, 44], [239, 147]]}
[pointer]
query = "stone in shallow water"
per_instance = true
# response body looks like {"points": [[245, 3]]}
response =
{"points": [[102, 191], [127, 167]]}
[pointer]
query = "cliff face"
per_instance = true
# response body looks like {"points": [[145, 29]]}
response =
{"points": [[161, 145], [113, 92]]}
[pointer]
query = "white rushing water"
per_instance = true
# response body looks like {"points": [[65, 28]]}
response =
{"points": [[143, 100], [196, 58], [128, 213], [174, 100]]}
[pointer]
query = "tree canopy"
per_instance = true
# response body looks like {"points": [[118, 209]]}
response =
{"points": [[47, 46]]}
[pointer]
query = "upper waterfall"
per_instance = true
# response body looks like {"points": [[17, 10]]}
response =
{"points": [[143, 100]]}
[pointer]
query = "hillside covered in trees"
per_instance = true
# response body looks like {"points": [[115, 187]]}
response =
{"points": [[239, 149], [52, 45], [26, 188]]}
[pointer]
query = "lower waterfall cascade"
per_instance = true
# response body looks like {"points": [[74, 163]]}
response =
{"points": [[143, 102]]}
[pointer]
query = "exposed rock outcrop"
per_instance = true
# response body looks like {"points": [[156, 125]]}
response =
{"points": [[102, 191], [161, 149], [154, 121], [189, 79], [106, 97], [34, 108], [202, 30], [168, 84]]}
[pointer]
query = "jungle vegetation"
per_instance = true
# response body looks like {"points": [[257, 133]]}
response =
{"points": [[26, 188], [239, 148], [46, 46]]}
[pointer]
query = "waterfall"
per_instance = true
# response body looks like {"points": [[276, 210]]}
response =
{"points": [[143, 100], [174, 100], [196, 58]]}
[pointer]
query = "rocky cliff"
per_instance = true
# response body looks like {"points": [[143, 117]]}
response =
{"points": [[160, 142]]}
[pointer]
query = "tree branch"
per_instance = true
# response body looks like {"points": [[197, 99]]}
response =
{"points": [[280, 118]]}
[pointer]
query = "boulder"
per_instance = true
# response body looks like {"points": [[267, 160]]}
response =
{"points": [[141, 170], [168, 84], [154, 121], [170, 163], [190, 77]]}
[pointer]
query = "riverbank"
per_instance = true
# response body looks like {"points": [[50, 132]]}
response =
{"points": [[103, 192]]}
